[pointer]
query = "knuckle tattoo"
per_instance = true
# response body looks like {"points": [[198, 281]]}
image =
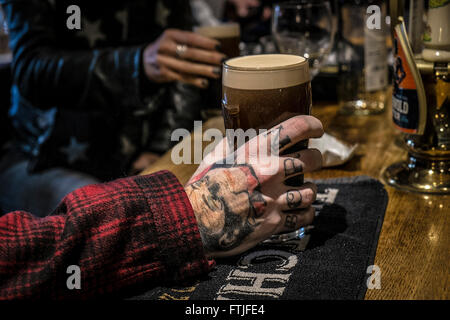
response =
{"points": [[278, 141], [291, 221], [293, 199], [292, 166]]}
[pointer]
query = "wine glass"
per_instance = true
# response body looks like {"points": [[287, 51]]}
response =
{"points": [[304, 28]]}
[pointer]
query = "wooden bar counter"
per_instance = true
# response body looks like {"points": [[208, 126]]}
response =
{"points": [[413, 248]]}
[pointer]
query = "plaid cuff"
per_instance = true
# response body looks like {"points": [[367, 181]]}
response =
{"points": [[180, 245]]}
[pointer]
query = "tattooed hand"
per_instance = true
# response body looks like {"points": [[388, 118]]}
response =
{"points": [[238, 205]]}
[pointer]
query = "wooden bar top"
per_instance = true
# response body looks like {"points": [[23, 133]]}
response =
{"points": [[413, 248]]}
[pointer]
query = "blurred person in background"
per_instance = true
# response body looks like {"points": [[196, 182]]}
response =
{"points": [[252, 15], [218, 9], [98, 102]]}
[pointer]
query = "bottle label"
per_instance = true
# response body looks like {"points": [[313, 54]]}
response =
{"points": [[405, 102], [375, 59]]}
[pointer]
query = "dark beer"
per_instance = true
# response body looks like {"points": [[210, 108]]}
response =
{"points": [[262, 91], [230, 46], [229, 35]]}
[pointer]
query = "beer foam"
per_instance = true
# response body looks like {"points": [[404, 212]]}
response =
{"points": [[265, 72], [226, 30]]}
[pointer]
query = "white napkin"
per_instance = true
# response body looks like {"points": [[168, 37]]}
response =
{"points": [[334, 151]]}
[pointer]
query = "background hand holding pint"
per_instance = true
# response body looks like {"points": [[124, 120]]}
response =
{"points": [[183, 56]]}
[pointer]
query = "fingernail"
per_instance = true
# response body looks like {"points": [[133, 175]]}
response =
{"points": [[205, 83], [217, 71]]}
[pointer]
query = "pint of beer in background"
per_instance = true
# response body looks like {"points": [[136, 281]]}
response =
{"points": [[260, 91], [229, 36]]}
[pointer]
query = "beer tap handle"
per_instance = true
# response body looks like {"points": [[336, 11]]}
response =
{"points": [[403, 42], [409, 100]]}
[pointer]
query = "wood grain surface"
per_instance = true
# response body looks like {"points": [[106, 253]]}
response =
{"points": [[413, 248]]}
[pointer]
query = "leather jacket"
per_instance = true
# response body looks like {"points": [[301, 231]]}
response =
{"points": [[80, 98]]}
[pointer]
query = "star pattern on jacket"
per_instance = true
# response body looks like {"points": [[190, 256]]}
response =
{"points": [[91, 31], [75, 151]]}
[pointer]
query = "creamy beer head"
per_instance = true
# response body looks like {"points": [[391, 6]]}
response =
{"points": [[265, 72], [226, 30]]}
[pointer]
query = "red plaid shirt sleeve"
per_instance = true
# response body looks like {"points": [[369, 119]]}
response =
{"points": [[133, 232]]}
